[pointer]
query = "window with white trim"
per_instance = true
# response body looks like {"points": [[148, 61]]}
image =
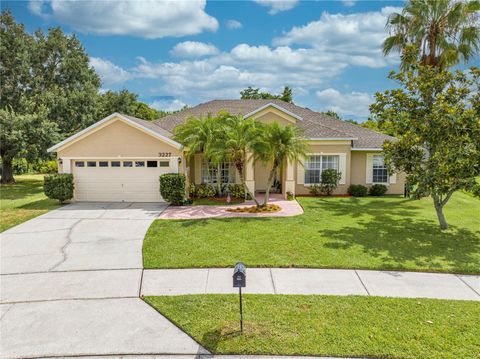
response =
{"points": [[314, 165], [209, 172], [380, 173]]}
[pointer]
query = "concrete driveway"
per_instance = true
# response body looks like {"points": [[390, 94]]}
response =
{"points": [[70, 284]]}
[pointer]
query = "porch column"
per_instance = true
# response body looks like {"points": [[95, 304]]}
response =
{"points": [[289, 179], [66, 165], [250, 174]]}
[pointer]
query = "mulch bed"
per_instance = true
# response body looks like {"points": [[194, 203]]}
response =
{"points": [[253, 209]]}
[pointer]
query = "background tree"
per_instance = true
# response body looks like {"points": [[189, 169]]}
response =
{"points": [[436, 116], [281, 143], [251, 93], [46, 81], [434, 32], [23, 136], [127, 103]]}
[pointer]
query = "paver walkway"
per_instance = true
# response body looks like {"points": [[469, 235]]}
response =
{"points": [[289, 209], [313, 281], [70, 285]]}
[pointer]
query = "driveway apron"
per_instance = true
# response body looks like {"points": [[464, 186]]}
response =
{"points": [[70, 284]]}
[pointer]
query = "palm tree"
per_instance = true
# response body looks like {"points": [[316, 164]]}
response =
{"points": [[241, 139], [201, 135], [436, 32], [282, 143]]}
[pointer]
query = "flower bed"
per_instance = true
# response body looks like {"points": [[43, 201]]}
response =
{"points": [[253, 209]]}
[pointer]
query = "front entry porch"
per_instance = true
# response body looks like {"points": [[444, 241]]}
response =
{"points": [[256, 175]]}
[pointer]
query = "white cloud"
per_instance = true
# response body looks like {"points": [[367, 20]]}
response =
{"points": [[358, 36], [277, 6], [234, 24], [348, 3], [147, 18], [109, 72], [167, 104], [345, 104], [193, 49]]}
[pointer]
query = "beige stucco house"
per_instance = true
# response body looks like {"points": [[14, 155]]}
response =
{"points": [[120, 158]]}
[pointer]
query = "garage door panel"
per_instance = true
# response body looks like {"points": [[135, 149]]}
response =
{"points": [[130, 184]]}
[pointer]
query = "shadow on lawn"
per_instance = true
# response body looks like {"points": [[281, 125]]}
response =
{"points": [[397, 233], [20, 190]]}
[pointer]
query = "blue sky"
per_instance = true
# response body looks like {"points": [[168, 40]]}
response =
{"points": [[175, 53]]}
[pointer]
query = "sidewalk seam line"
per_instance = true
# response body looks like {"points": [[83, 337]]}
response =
{"points": [[468, 285], [361, 281], [273, 282], [67, 299], [206, 281]]}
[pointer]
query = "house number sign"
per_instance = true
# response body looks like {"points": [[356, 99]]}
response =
{"points": [[164, 154]]}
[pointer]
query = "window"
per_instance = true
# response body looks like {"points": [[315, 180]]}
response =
{"points": [[380, 173], [314, 165], [102, 163], [79, 164], [152, 164], [164, 163], [209, 172], [139, 163], [115, 163], [127, 164], [91, 164]]}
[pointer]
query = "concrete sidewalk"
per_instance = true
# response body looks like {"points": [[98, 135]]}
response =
{"points": [[313, 281]]}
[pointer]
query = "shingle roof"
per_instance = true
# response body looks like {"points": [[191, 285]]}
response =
{"points": [[314, 124], [150, 125]]}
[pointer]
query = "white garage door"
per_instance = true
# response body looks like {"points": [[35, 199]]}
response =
{"points": [[120, 180]]}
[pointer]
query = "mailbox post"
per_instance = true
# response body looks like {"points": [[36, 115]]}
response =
{"points": [[240, 281]]}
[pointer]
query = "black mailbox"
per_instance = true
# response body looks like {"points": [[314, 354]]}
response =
{"points": [[239, 276]]}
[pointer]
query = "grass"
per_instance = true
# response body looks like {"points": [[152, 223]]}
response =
{"points": [[216, 201], [23, 201], [328, 325], [364, 233]]}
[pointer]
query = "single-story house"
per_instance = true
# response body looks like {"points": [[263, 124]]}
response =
{"points": [[120, 158]]}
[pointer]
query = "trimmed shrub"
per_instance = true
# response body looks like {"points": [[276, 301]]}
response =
{"points": [[172, 188], [357, 190], [378, 190], [58, 186], [236, 190], [315, 190], [192, 191], [330, 178], [205, 190]]}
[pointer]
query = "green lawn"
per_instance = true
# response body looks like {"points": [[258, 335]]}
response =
{"points": [[362, 233], [22, 201], [328, 325]]}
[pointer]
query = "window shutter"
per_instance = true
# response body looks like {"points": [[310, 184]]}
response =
{"points": [[393, 179], [300, 172], [369, 169], [198, 168], [342, 167]]}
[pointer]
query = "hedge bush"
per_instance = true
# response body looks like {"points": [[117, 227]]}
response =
{"points": [[330, 179], [58, 186], [205, 190], [192, 190], [357, 190], [172, 188], [315, 190], [378, 190], [236, 190]]}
